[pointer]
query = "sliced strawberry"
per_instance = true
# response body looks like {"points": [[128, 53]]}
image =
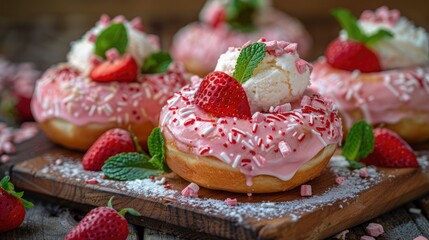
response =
{"points": [[221, 95], [390, 151], [352, 55], [121, 69], [109, 144]]}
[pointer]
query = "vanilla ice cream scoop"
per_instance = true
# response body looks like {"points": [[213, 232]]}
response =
{"points": [[140, 44], [281, 77]]}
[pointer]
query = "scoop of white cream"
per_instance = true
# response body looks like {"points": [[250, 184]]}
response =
{"points": [[280, 78], [140, 45]]}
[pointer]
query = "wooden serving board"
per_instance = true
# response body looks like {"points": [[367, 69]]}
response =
{"points": [[332, 208]]}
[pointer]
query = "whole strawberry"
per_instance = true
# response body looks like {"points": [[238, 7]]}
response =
{"points": [[223, 96], [103, 223], [109, 144], [390, 151], [12, 206], [354, 52]]}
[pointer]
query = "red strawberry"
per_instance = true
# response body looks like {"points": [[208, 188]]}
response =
{"points": [[352, 55], [109, 144], [12, 210], [217, 18], [390, 151], [102, 223], [223, 96], [121, 69]]}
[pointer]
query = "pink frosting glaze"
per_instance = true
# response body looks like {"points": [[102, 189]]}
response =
{"points": [[202, 44], [383, 97], [63, 92], [274, 144]]}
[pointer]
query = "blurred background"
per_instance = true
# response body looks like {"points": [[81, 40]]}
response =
{"points": [[40, 31]]}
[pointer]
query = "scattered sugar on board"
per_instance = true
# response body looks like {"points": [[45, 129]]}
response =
{"points": [[353, 185]]}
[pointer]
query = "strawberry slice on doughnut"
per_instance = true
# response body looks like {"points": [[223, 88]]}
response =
{"points": [[223, 96], [123, 68]]}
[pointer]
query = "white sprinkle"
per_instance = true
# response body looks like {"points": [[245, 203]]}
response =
{"points": [[208, 130], [157, 95], [174, 99], [349, 94], [137, 95], [236, 161], [225, 157], [230, 137], [108, 97], [123, 104], [68, 98], [294, 134], [256, 161], [92, 110], [160, 182], [107, 109], [245, 143], [135, 103], [165, 118], [147, 91], [389, 86], [319, 136], [57, 108], [127, 118], [415, 210]]}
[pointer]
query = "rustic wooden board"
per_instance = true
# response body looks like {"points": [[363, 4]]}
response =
{"points": [[177, 216]]}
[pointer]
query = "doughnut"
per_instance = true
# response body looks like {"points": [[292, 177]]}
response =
{"points": [[288, 139], [199, 44], [396, 96], [74, 110]]}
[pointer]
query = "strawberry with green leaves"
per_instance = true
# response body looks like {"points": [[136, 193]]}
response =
{"points": [[12, 206], [379, 147], [103, 223], [355, 52], [223, 95]]}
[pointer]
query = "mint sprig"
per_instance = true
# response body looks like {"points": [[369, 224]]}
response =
{"points": [[350, 24], [114, 36], [157, 62], [248, 60], [8, 187], [240, 14], [132, 166], [359, 143]]}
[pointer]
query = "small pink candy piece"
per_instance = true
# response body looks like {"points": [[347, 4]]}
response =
{"points": [[119, 19], [9, 148], [5, 158], [305, 101], [291, 48], [136, 23], [258, 117], [283, 108], [374, 229], [95, 60], [112, 54], [92, 37], [366, 237], [104, 20], [340, 180], [363, 172], [191, 190], [195, 80], [420, 238], [91, 181], [306, 191], [302, 65], [58, 162], [246, 44], [231, 201], [284, 149]]}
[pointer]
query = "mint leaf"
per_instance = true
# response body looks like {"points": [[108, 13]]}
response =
{"points": [[240, 14], [248, 60], [359, 141], [156, 145], [157, 62], [377, 36], [114, 36], [129, 166]]}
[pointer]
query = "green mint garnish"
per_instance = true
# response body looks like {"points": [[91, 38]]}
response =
{"points": [[240, 14], [248, 60], [8, 187], [114, 36], [359, 143], [123, 211], [132, 166], [350, 24], [157, 62]]}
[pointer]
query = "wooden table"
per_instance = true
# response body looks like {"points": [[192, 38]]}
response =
{"points": [[53, 218]]}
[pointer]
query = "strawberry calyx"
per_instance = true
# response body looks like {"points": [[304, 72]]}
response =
{"points": [[123, 211], [7, 186]]}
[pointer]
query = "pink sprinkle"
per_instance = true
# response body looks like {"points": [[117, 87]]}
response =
{"points": [[136, 23], [301, 65], [249, 194], [284, 148], [340, 180], [112, 54], [420, 238], [231, 201], [363, 172], [104, 20], [92, 37], [291, 48], [374, 229], [258, 117], [9, 148], [191, 190], [119, 19], [306, 191], [95, 60], [5, 158], [91, 181], [366, 237], [305, 101], [246, 44]]}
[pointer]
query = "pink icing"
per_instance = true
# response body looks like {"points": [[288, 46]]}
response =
{"points": [[381, 15], [65, 93], [382, 97], [202, 45], [254, 146]]}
